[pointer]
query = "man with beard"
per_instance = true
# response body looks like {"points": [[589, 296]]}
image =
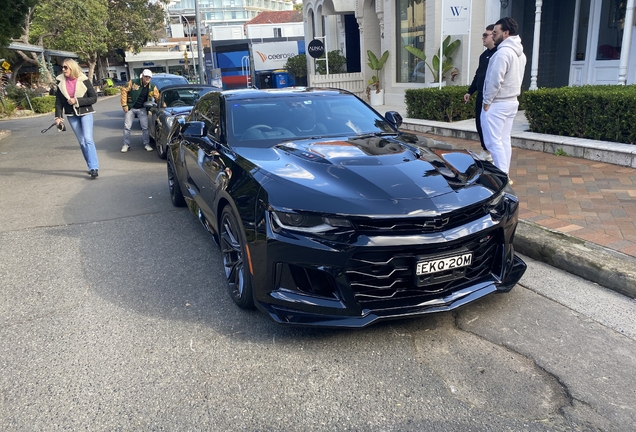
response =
{"points": [[502, 86]]}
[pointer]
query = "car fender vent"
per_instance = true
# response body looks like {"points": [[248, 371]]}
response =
{"points": [[306, 280]]}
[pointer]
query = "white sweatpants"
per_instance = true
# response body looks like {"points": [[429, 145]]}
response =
{"points": [[496, 124]]}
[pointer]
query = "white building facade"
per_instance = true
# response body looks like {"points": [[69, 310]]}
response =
{"points": [[567, 42], [224, 12]]}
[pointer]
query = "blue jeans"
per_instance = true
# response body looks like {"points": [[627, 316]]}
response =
{"points": [[142, 115], [83, 128]]}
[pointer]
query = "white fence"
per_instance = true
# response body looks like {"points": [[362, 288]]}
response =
{"points": [[352, 82]]}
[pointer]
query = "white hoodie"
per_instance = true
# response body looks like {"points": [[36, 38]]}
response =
{"points": [[505, 72]]}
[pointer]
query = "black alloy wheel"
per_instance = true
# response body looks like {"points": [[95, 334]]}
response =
{"points": [[161, 149], [176, 196], [235, 264]]}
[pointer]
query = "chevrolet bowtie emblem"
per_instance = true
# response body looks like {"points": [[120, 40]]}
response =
{"points": [[436, 223]]}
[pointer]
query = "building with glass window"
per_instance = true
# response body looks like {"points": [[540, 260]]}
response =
{"points": [[566, 42], [223, 12]]}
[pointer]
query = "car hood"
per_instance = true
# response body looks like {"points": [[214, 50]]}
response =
{"points": [[379, 175]]}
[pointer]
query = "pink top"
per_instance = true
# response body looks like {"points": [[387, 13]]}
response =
{"points": [[70, 86]]}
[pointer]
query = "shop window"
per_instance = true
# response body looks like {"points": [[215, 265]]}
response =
{"points": [[411, 30], [610, 32], [581, 37]]}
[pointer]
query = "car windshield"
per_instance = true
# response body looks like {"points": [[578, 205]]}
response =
{"points": [[161, 82], [265, 122], [187, 96]]}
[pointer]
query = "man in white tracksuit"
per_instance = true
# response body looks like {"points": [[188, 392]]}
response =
{"points": [[502, 85]]}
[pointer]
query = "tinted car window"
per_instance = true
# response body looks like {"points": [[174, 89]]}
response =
{"points": [[182, 96], [209, 112], [161, 82], [276, 119]]}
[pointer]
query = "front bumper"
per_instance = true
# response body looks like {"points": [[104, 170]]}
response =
{"points": [[307, 281], [453, 300]]}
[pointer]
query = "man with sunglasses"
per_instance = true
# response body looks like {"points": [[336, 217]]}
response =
{"points": [[133, 96], [478, 84]]}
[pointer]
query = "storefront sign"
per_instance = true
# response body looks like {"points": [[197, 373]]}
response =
{"points": [[456, 17], [273, 55], [149, 63], [316, 48]]}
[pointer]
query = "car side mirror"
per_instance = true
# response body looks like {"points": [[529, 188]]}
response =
{"points": [[194, 129], [394, 118], [149, 104]]}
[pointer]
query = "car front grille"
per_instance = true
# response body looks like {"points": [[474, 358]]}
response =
{"points": [[418, 225], [390, 274]]}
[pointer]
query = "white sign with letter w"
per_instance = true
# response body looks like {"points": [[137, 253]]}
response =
{"points": [[456, 17]]}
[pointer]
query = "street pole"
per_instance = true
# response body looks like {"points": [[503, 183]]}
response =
{"points": [[190, 36], [199, 47]]}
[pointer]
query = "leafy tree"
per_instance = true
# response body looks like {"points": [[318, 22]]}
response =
{"points": [[12, 18], [297, 66], [132, 23], [73, 25], [89, 28]]}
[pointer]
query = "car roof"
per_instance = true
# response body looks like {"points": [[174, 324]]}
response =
{"points": [[167, 75], [187, 86], [239, 94]]}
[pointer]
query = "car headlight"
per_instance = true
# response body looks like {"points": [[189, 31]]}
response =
{"points": [[307, 223], [169, 122]]}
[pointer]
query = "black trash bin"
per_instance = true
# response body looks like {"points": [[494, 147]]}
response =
{"points": [[266, 80]]}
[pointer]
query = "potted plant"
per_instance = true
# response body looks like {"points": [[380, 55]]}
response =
{"points": [[376, 97], [448, 49], [297, 67]]}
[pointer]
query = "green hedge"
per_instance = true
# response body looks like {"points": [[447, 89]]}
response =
{"points": [[445, 104], [44, 104], [605, 113], [109, 91]]}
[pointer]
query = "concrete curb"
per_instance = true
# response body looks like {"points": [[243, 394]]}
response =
{"points": [[590, 261]]}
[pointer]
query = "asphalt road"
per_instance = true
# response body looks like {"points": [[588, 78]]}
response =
{"points": [[114, 316]]}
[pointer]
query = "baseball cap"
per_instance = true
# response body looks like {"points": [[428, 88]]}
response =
{"points": [[147, 73]]}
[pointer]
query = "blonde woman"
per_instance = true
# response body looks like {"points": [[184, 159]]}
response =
{"points": [[75, 97]]}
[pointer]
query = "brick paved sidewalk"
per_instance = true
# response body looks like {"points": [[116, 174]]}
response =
{"points": [[593, 201]]}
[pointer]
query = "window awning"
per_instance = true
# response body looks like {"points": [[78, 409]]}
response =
{"points": [[21, 46]]}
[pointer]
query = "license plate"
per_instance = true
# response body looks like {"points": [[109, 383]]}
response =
{"points": [[442, 264]]}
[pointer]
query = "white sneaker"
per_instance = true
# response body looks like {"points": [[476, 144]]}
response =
{"points": [[484, 155], [125, 148], [148, 148]]}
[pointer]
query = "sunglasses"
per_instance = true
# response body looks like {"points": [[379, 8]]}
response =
{"points": [[64, 67], [485, 35]]}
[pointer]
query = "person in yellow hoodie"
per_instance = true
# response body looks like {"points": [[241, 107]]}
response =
{"points": [[133, 96], [75, 97]]}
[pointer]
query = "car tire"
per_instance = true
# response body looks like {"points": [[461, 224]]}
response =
{"points": [[235, 266], [176, 196], [161, 149]]}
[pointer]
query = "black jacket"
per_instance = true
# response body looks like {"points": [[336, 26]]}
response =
{"points": [[478, 82], [84, 93]]}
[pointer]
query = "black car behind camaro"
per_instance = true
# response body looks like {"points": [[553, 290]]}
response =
{"points": [[328, 216]]}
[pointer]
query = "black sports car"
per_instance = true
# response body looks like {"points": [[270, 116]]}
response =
{"points": [[174, 101], [328, 216]]}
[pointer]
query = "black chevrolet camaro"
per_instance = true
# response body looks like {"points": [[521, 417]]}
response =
{"points": [[327, 215], [174, 101]]}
